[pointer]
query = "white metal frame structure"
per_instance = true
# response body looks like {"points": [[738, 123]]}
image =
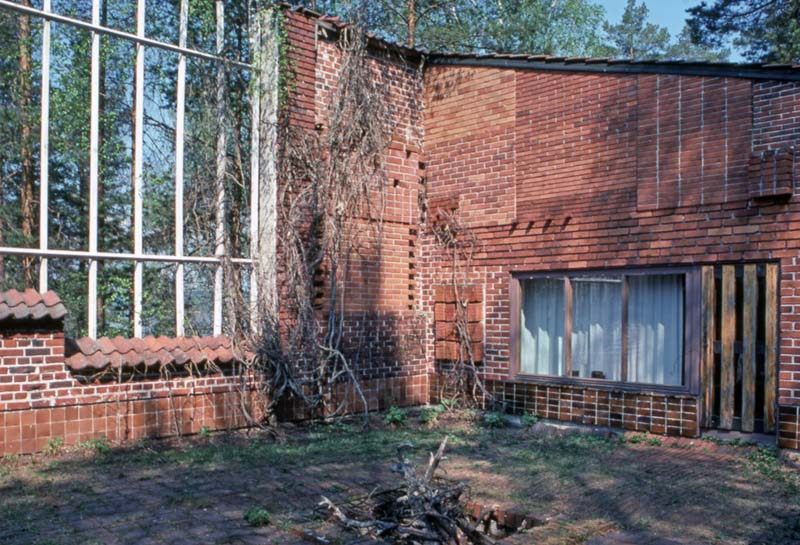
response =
{"points": [[93, 255]]}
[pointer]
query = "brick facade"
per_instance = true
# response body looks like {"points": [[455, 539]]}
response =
{"points": [[552, 170], [569, 171]]}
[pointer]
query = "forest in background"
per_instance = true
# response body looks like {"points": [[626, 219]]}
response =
{"points": [[68, 165]]}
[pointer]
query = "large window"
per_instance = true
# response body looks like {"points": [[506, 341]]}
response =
{"points": [[621, 327], [125, 168]]}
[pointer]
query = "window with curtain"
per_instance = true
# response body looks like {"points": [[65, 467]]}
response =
{"points": [[622, 327], [542, 326]]}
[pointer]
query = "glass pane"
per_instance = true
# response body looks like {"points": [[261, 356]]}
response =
{"points": [[542, 326], [70, 98], [655, 329], [596, 328], [158, 299]]}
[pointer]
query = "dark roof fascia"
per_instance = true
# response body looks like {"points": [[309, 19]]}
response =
{"points": [[682, 69]]}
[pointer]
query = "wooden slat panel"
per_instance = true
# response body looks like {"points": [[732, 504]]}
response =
{"points": [[707, 366], [771, 345], [749, 325], [728, 370]]}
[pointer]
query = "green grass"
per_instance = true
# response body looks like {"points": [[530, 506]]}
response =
{"points": [[765, 461]]}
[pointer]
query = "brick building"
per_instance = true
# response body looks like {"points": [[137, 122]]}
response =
{"points": [[636, 258]]}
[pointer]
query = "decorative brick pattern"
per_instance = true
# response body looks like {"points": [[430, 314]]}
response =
{"points": [[693, 140], [634, 411], [448, 299], [789, 427]]}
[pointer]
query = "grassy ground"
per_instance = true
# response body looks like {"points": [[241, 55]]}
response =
{"points": [[247, 488]]}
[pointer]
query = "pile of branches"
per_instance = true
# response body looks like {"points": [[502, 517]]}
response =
{"points": [[423, 510]]}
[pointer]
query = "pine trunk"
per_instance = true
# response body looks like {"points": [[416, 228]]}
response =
{"points": [[26, 145]]}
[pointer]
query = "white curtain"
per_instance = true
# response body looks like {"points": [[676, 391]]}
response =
{"points": [[655, 329], [542, 326], [596, 327]]}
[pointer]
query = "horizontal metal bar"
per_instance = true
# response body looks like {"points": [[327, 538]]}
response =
{"points": [[27, 10], [111, 256]]}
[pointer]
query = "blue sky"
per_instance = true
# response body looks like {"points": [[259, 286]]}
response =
{"points": [[670, 13]]}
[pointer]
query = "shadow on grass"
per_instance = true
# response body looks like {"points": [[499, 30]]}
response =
{"points": [[198, 490]]}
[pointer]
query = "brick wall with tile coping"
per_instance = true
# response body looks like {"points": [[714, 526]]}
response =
{"points": [[42, 399]]}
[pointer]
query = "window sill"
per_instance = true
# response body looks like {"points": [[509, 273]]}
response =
{"points": [[605, 385]]}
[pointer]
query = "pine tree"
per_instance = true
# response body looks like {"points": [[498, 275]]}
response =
{"points": [[766, 30]]}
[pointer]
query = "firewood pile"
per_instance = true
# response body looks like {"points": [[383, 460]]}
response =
{"points": [[423, 510]]}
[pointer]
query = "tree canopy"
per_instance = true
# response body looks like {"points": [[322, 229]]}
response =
{"points": [[765, 30], [554, 27]]}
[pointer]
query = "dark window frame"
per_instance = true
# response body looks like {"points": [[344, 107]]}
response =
{"points": [[691, 330]]}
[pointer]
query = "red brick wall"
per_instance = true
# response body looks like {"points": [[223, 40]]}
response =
{"points": [[386, 329], [42, 400], [576, 184]]}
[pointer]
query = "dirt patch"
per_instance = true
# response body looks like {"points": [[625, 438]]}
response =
{"points": [[585, 486]]}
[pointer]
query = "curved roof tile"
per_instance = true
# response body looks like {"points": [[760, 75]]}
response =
{"points": [[30, 305], [90, 355]]}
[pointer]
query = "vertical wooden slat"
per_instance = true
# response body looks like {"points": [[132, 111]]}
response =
{"points": [[709, 306], [749, 325], [771, 345], [728, 371]]}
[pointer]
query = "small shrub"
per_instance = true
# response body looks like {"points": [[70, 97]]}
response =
{"points": [[257, 516], [529, 420], [494, 420], [448, 404], [99, 445], [54, 446], [429, 415], [395, 416], [205, 432]]}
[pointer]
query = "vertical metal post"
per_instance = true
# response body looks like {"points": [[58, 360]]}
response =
{"points": [[269, 72], [44, 149], [255, 143], [138, 161], [179, 147], [94, 170], [219, 251]]}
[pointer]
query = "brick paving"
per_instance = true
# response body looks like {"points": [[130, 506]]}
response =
{"points": [[679, 492]]}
